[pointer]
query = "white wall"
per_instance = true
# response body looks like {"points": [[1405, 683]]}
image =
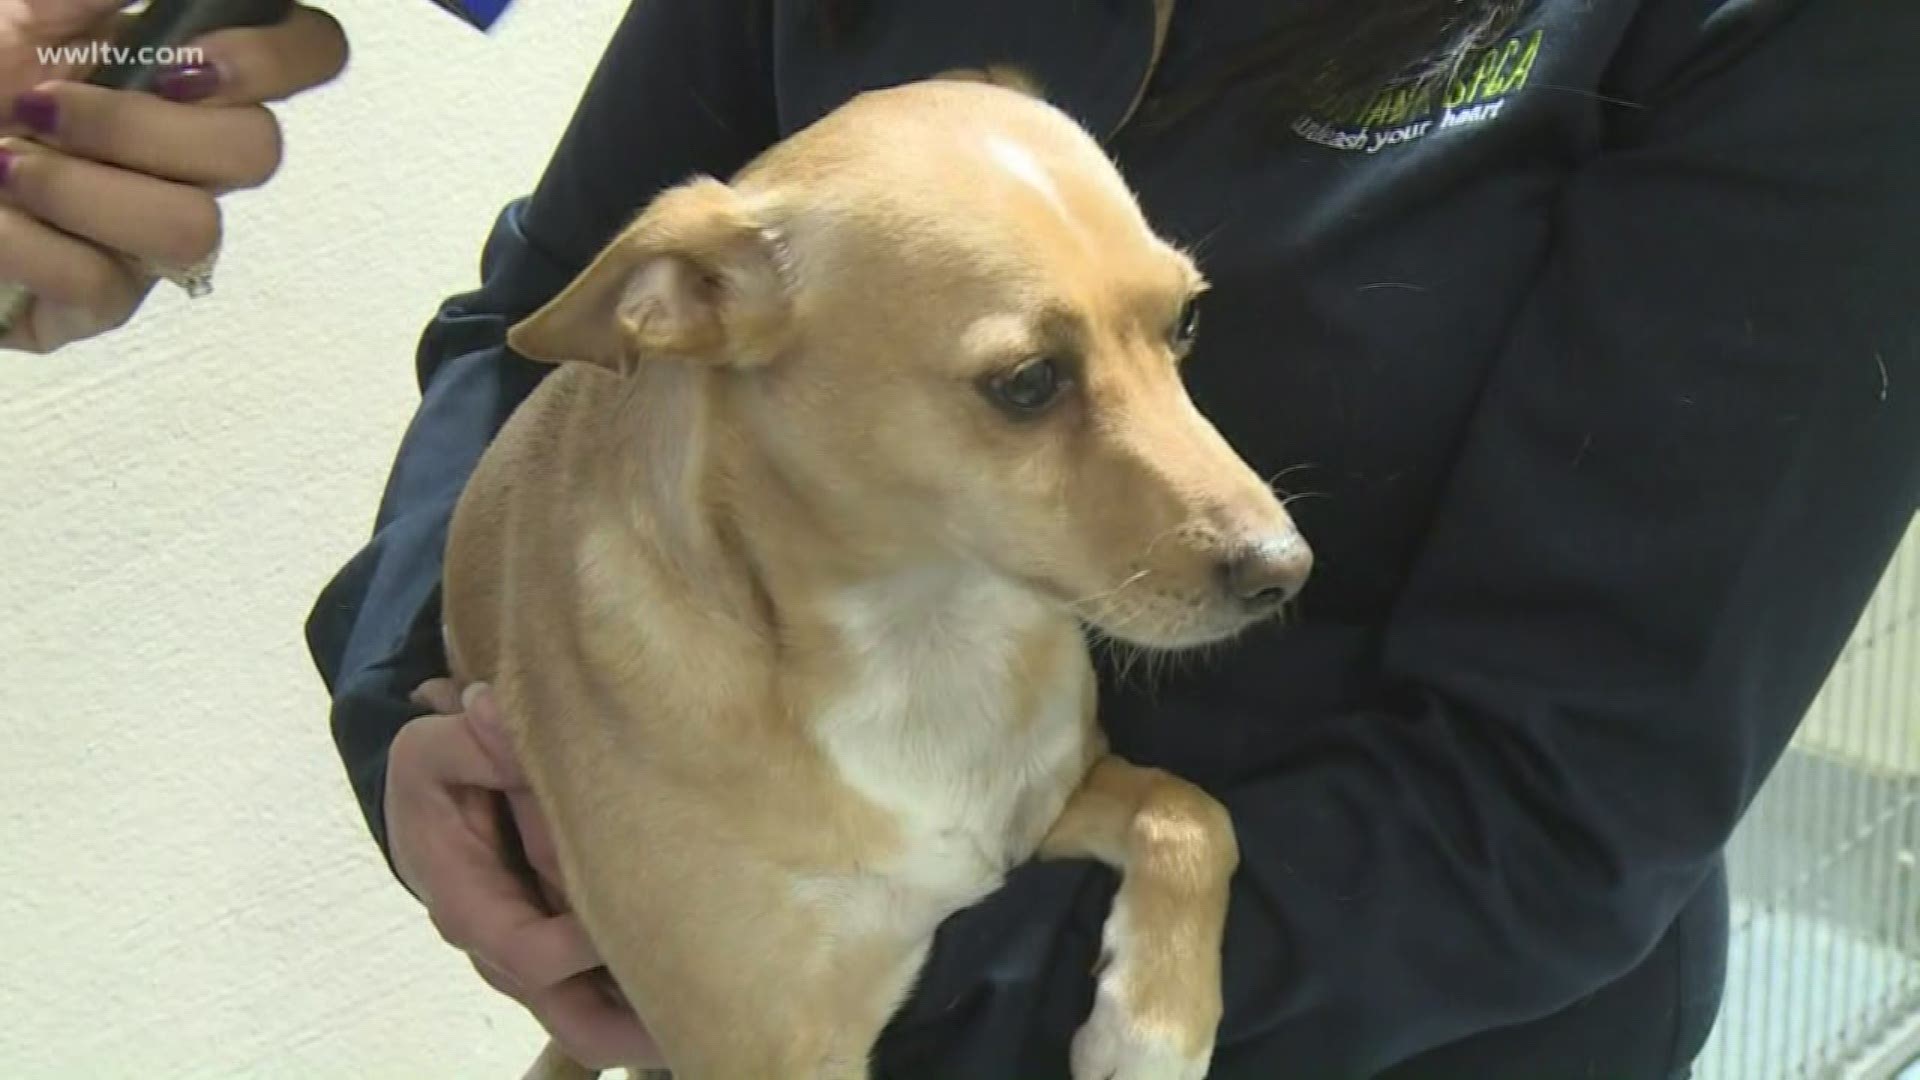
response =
{"points": [[186, 888]]}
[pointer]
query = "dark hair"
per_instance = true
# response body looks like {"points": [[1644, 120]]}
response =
{"points": [[1319, 52]]}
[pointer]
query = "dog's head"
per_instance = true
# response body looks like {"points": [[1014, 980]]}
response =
{"points": [[945, 324]]}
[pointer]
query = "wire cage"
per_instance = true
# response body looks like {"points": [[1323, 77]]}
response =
{"points": [[1823, 972]]}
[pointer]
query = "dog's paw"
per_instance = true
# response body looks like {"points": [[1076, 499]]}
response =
{"points": [[1114, 1044]]}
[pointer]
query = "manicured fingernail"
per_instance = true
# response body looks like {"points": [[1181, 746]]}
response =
{"points": [[37, 110], [187, 82], [6, 164]]}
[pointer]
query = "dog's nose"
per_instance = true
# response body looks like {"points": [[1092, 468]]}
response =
{"points": [[1269, 571]]}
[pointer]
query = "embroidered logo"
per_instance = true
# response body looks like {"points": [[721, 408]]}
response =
{"points": [[1402, 113]]}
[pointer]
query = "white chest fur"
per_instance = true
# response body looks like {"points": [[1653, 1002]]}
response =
{"points": [[938, 728]]}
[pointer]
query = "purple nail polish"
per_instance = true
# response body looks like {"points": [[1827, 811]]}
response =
{"points": [[6, 164], [187, 82], [38, 111]]}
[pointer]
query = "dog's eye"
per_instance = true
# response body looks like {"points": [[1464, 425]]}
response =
{"points": [[1029, 388], [1186, 327]]}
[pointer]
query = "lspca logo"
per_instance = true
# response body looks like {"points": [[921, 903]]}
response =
{"points": [[1408, 111]]}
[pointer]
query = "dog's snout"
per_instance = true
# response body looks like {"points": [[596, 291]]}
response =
{"points": [[1268, 571]]}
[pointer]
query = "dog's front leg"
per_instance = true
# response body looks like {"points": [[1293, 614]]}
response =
{"points": [[1157, 1006]]}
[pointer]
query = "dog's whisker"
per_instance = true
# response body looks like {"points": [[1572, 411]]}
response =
{"points": [[1097, 597], [1283, 473], [1198, 248], [1147, 552]]}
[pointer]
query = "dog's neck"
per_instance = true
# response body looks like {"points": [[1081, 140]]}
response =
{"points": [[713, 512]]}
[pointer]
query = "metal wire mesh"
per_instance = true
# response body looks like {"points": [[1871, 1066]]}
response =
{"points": [[1824, 966]]}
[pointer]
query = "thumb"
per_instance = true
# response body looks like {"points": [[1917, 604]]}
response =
{"points": [[440, 695], [489, 729], [445, 750]]}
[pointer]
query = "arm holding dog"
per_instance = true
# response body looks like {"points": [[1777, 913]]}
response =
{"points": [[455, 850]]}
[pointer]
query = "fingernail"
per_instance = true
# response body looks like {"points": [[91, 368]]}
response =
{"points": [[6, 164], [187, 82], [37, 110]]}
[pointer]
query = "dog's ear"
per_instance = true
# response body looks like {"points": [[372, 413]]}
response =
{"points": [[697, 276]]}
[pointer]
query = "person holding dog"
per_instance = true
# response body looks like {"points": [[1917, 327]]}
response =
{"points": [[1592, 328]]}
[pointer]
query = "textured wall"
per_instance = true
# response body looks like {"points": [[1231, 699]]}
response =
{"points": [[185, 885]]}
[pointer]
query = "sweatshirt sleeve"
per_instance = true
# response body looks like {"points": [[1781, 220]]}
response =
{"points": [[1693, 458], [682, 88]]}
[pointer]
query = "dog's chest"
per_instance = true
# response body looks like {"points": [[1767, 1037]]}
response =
{"points": [[951, 728]]}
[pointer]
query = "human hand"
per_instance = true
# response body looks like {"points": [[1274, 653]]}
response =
{"points": [[447, 774], [100, 188]]}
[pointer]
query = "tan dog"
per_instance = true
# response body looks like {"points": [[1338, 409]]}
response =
{"points": [[783, 584]]}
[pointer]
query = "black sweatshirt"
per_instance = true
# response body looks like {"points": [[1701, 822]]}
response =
{"points": [[1603, 365]]}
